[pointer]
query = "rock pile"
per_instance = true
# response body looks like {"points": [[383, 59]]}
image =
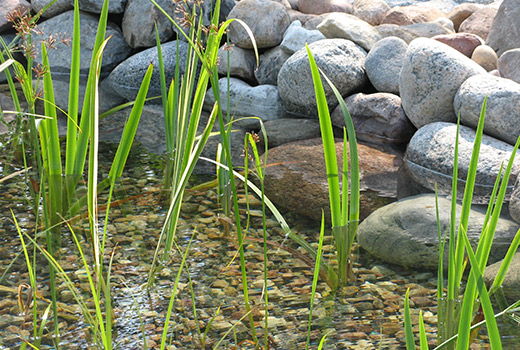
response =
{"points": [[397, 67]]}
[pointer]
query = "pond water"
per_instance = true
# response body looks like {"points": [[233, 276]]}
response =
{"points": [[367, 314]]}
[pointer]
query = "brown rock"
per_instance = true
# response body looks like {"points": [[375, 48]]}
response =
{"points": [[486, 57], [297, 181], [461, 12], [479, 22], [462, 42], [403, 15], [318, 7]]}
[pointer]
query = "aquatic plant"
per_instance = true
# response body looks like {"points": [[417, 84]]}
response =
{"points": [[344, 202], [462, 311]]}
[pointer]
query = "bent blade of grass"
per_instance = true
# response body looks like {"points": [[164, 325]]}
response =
{"points": [[6, 64]]}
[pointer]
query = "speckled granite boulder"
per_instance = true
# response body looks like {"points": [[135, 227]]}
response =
{"points": [[384, 62], [116, 49], [244, 100], [271, 62], [505, 30], [345, 26], [405, 232], [431, 75], [126, 78], [378, 118], [268, 20], [430, 154], [341, 60], [503, 105], [509, 65], [479, 22]]}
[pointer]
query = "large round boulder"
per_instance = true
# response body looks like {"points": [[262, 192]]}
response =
{"points": [[505, 30], [432, 73], [429, 159], [342, 61], [268, 20], [405, 232], [502, 109]]}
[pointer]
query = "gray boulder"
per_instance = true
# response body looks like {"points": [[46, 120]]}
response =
{"points": [[271, 62], [296, 36], [58, 7], [511, 280], [140, 19], [509, 65], [377, 118], [126, 78], [405, 232], [430, 155], [95, 6], [261, 101], [8, 6], [432, 73], [241, 62], [505, 30], [345, 26], [285, 130], [61, 26], [502, 110], [341, 60], [268, 20], [384, 62]]}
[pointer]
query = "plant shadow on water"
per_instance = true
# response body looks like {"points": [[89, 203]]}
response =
{"points": [[367, 313]]}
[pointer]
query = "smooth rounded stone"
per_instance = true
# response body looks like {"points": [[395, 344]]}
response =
{"points": [[511, 279], [486, 57], [268, 20], [432, 73], [509, 65], [383, 64], [463, 42], [393, 30], [95, 6], [430, 155], [58, 7], [241, 62], [505, 31], [405, 232], [298, 182], [8, 6], [262, 101], [479, 22], [345, 26], [341, 60], [271, 62], [502, 110], [429, 29], [404, 15], [285, 130], [127, 77], [461, 12], [377, 118], [115, 51], [140, 19], [370, 11], [296, 36], [318, 7]]}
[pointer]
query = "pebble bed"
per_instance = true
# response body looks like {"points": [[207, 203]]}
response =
{"points": [[367, 314]]}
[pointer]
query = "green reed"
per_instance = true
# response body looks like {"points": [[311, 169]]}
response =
{"points": [[457, 316]]}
